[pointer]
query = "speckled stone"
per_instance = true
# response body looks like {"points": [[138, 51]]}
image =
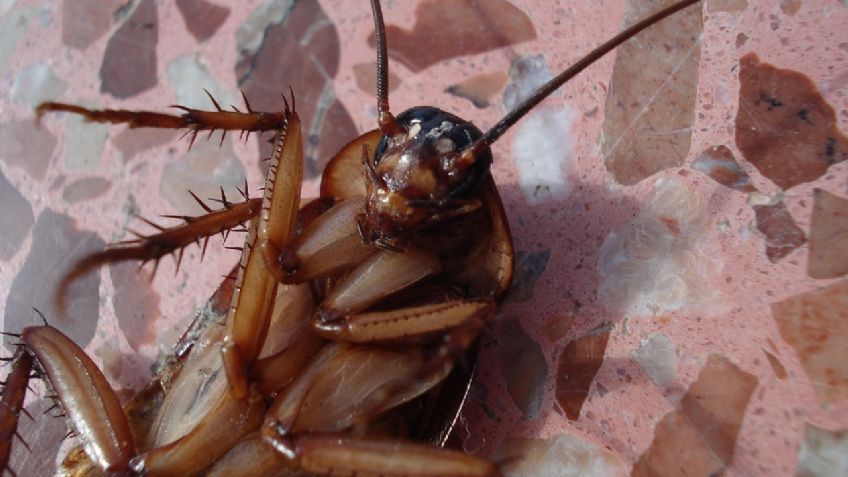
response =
{"points": [[657, 355], [729, 6], [136, 304], [450, 28], [202, 18], [828, 236], [480, 89], [86, 188], [85, 21], [523, 367], [16, 218], [129, 62], [57, 245], [302, 52], [37, 83], [719, 163], [822, 453], [203, 170], [815, 325], [577, 366], [655, 264], [83, 144], [40, 435], [13, 25], [782, 235], [132, 142], [528, 268], [700, 438], [559, 456], [366, 78], [785, 127], [650, 109], [24, 146]]}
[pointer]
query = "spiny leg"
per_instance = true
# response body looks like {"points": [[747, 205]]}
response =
{"points": [[93, 408], [405, 323], [194, 120], [251, 457], [167, 241], [340, 455], [256, 285], [14, 391]]}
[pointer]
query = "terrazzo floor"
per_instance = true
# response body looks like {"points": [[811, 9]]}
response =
{"points": [[679, 210]]}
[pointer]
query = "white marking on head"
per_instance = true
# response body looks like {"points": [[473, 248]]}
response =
{"points": [[445, 144]]}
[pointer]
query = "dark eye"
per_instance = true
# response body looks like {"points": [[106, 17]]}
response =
{"points": [[437, 130]]}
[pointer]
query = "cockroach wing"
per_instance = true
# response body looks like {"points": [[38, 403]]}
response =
{"points": [[292, 309], [489, 265], [347, 385], [200, 382]]}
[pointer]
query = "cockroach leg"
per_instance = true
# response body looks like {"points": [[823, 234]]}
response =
{"points": [[290, 343], [381, 274], [185, 405], [167, 241], [250, 458], [277, 371], [340, 454], [193, 120], [406, 323], [89, 401], [11, 405], [256, 285], [344, 385], [186, 436], [329, 245], [343, 176]]}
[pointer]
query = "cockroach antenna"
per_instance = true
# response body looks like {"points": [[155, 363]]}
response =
{"points": [[496, 131], [430, 163], [43, 318]]}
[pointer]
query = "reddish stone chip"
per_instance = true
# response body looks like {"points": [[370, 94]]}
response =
{"points": [[784, 127]]}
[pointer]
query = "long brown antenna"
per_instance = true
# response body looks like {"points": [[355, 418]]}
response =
{"points": [[498, 129], [385, 119]]}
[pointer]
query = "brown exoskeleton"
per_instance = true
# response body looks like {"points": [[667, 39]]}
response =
{"points": [[387, 280]]}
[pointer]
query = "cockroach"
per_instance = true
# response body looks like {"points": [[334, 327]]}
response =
{"points": [[337, 351]]}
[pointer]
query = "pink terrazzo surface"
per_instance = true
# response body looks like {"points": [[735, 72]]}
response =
{"points": [[659, 287]]}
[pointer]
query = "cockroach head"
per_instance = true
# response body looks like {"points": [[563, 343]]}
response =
{"points": [[420, 175], [429, 162]]}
